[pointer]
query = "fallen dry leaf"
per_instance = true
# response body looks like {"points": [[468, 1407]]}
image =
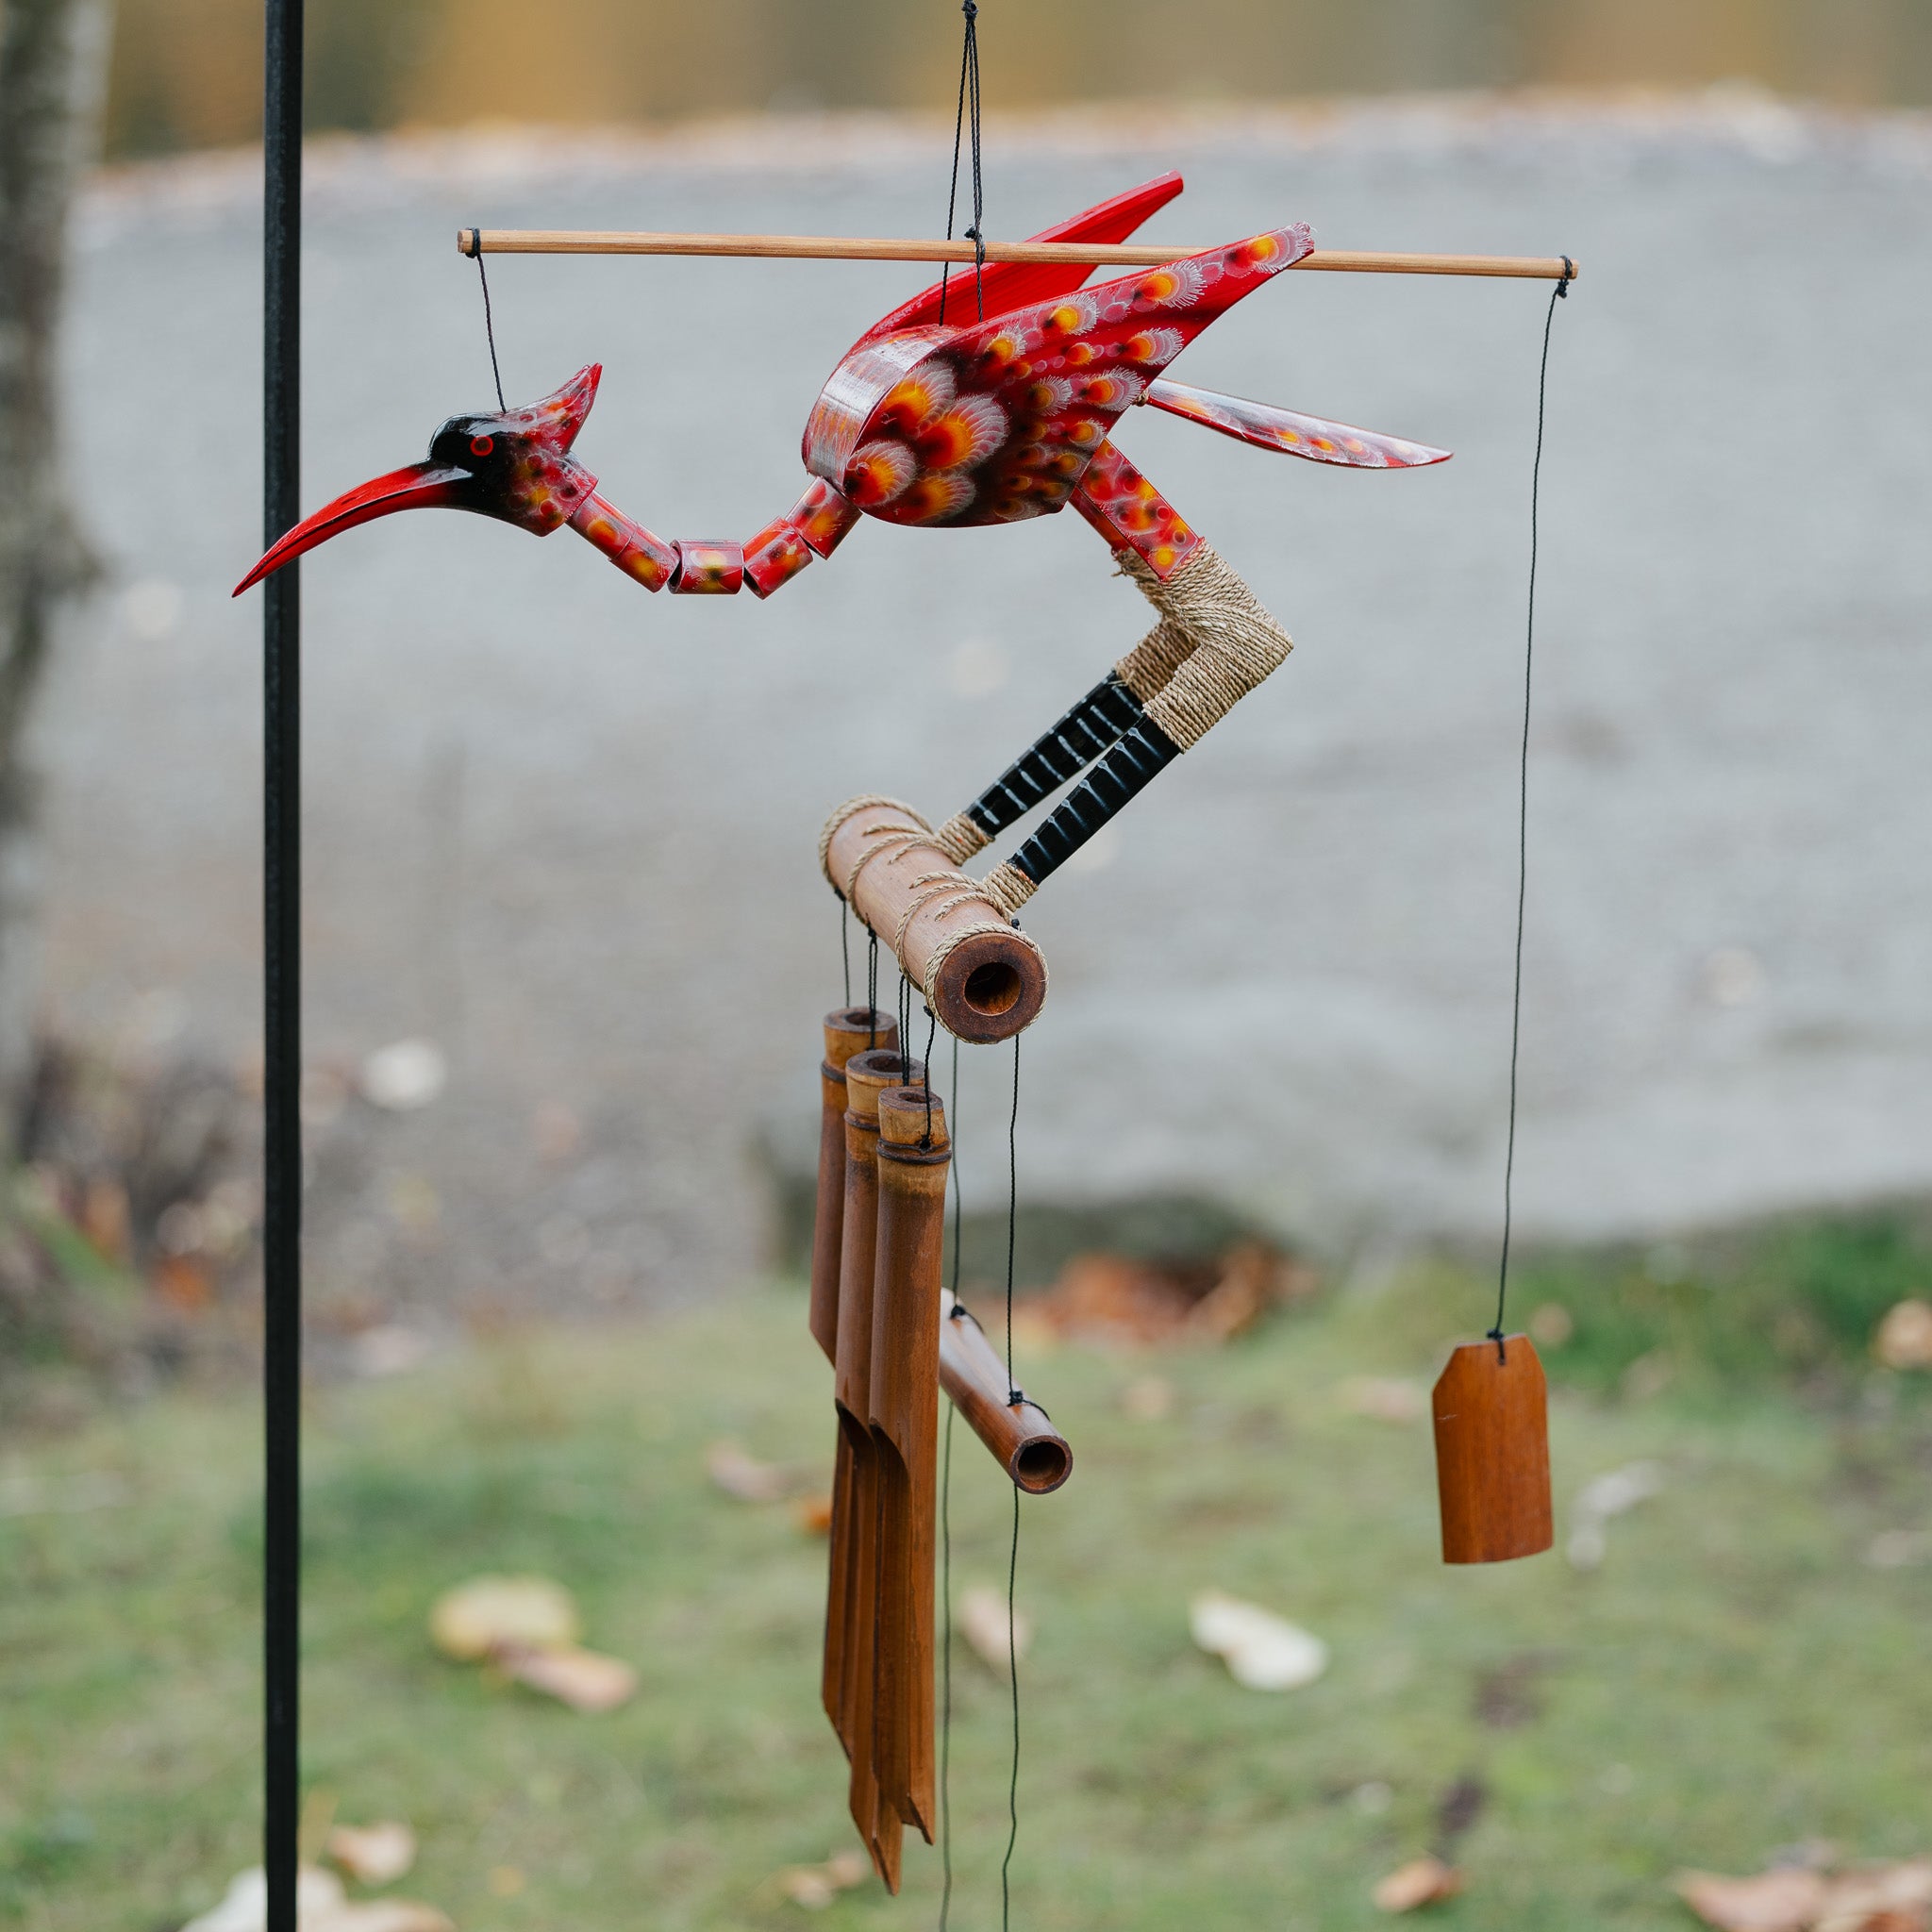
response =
{"points": [[1787, 1900], [373, 1854], [404, 1076], [813, 1515], [580, 1678], [1122, 1301], [1421, 1882], [1262, 1652], [1148, 1400], [320, 1907], [1904, 1336], [815, 1887], [479, 1618], [1880, 1898], [1597, 1501], [184, 1283], [983, 1623], [1384, 1398], [742, 1475]]}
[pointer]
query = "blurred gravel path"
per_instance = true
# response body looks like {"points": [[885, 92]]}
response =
{"points": [[567, 829]]}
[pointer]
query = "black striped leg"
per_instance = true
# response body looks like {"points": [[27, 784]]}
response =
{"points": [[1094, 724], [1142, 751]]}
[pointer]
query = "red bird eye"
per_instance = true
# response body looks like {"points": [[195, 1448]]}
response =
{"points": [[482, 445]]}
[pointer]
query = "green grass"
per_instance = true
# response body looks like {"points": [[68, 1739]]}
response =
{"points": [[1734, 1679]]}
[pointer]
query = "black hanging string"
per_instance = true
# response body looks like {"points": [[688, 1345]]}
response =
{"points": [[488, 325], [871, 988], [932, 1033], [1543, 383], [946, 1552], [846, 943], [969, 105], [1013, 1397]]}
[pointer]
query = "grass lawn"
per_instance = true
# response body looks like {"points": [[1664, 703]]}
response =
{"points": [[1734, 1679]]}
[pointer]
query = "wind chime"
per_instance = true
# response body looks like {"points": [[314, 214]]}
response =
{"points": [[993, 399]]}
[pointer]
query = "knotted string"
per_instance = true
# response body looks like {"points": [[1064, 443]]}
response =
{"points": [[969, 104], [488, 325]]}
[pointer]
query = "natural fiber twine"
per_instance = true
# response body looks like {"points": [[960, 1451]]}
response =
{"points": [[1232, 643]]}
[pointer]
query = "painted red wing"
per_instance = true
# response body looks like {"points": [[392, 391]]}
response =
{"points": [[997, 423], [1013, 284], [1290, 433]]}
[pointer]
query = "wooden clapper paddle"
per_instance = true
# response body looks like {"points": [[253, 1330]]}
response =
{"points": [[1493, 1452]]}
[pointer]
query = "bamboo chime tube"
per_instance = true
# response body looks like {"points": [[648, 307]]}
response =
{"points": [[914, 1158], [867, 1074], [878, 248], [982, 976], [1020, 1435], [847, 1031]]}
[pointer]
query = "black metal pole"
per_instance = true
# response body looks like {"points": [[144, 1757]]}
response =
{"points": [[281, 665]]}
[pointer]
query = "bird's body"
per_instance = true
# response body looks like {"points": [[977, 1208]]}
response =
{"points": [[989, 398]]}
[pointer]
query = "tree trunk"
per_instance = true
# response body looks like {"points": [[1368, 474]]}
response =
{"points": [[52, 65]]}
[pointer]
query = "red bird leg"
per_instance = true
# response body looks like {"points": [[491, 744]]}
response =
{"points": [[1080, 735], [1130, 513], [637, 552]]}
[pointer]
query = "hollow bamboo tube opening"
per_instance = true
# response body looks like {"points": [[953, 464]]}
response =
{"points": [[913, 1158], [847, 1031], [983, 977], [1020, 1435]]}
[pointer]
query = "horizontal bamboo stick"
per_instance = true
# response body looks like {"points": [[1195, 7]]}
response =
{"points": [[874, 248]]}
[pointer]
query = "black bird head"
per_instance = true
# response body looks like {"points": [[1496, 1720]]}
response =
{"points": [[512, 464]]}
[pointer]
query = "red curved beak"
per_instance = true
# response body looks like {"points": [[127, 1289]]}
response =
{"points": [[420, 486]]}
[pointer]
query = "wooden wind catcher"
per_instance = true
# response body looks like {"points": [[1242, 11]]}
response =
{"points": [[992, 397]]}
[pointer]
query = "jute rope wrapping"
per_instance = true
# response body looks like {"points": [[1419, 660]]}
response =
{"points": [[1234, 642], [952, 886], [960, 838], [844, 812]]}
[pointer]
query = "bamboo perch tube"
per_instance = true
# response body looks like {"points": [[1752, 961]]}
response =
{"points": [[1020, 1435], [913, 1158], [874, 248], [855, 1550], [847, 1031], [982, 976]]}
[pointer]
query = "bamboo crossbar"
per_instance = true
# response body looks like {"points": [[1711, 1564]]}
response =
{"points": [[874, 248]]}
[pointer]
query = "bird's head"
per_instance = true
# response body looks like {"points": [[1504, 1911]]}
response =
{"points": [[511, 464]]}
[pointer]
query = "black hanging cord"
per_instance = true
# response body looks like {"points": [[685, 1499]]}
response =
{"points": [[488, 325], [846, 943], [904, 1008], [1543, 383], [281, 662], [932, 1033], [1013, 1397], [969, 107], [946, 1552], [871, 988]]}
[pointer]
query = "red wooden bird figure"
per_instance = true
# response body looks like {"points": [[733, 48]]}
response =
{"points": [[987, 399]]}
